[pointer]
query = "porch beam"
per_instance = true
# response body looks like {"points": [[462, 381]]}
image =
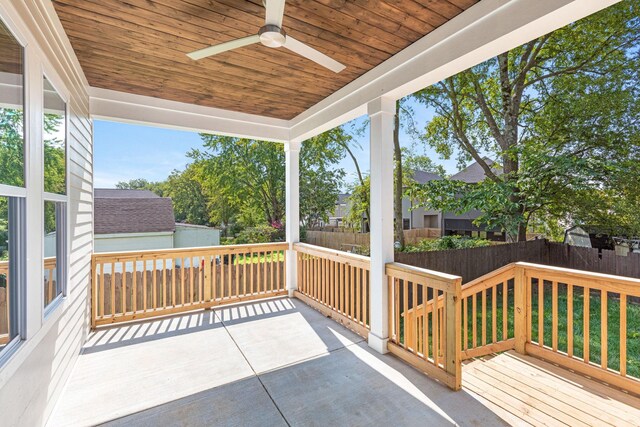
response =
{"points": [[137, 109], [292, 225], [381, 114], [483, 31]]}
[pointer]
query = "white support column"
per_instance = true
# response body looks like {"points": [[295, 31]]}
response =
{"points": [[381, 113], [292, 168]]}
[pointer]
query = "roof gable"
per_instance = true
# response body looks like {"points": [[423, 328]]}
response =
{"points": [[474, 172], [133, 215]]}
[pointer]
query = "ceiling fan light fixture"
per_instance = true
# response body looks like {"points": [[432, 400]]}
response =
{"points": [[272, 36]]}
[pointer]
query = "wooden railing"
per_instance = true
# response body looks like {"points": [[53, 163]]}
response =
{"points": [[136, 285], [424, 321], [587, 322], [488, 328], [336, 283], [49, 293]]}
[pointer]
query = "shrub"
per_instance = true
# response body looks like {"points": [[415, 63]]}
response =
{"points": [[260, 234], [447, 242]]}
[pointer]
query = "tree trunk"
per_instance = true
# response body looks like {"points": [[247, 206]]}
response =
{"points": [[398, 188]]}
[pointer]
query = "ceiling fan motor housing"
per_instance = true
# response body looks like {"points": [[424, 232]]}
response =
{"points": [[272, 36]]}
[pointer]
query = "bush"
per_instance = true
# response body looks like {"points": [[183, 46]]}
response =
{"points": [[260, 234], [447, 242]]}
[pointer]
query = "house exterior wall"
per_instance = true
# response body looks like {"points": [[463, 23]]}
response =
{"points": [[32, 376], [194, 237], [133, 241]]}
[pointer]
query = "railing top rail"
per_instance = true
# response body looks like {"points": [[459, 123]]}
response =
{"points": [[209, 250], [490, 275], [336, 255], [436, 279], [580, 274]]}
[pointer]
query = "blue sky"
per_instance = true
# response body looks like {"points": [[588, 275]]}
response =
{"points": [[127, 151]]}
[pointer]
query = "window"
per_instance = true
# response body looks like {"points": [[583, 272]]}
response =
{"points": [[12, 191], [55, 187]]}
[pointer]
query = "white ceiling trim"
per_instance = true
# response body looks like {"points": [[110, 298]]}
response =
{"points": [[130, 108]]}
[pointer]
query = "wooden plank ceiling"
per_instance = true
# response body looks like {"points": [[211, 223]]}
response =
{"points": [[140, 46]]}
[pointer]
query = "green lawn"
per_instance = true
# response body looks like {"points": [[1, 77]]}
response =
{"points": [[257, 259], [613, 324]]}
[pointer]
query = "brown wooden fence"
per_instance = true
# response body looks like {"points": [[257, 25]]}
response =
{"points": [[475, 262], [344, 240]]}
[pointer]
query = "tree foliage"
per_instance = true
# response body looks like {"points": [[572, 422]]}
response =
{"points": [[560, 114]]}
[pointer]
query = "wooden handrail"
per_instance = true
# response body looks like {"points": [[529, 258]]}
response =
{"points": [[442, 281], [355, 260], [167, 253]]}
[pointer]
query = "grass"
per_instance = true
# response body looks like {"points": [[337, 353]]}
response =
{"points": [[595, 334], [256, 259]]}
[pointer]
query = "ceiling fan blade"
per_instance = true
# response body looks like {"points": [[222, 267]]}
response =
{"points": [[223, 47], [313, 54], [275, 12]]}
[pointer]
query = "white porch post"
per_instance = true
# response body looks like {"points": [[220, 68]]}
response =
{"points": [[292, 168], [381, 113]]}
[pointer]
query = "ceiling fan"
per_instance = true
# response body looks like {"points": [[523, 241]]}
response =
{"points": [[272, 35]]}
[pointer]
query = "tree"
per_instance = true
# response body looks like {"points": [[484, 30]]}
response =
{"points": [[320, 181], [521, 108], [134, 184], [190, 203], [249, 176]]}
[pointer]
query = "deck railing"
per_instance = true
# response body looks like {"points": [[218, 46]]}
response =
{"points": [[136, 285], [49, 293], [576, 319], [336, 283], [424, 321]]}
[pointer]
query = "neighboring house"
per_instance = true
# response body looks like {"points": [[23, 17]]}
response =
{"points": [[127, 220], [451, 223], [340, 212], [418, 217]]}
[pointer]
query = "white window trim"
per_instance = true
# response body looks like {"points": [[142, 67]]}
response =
{"points": [[61, 90]]}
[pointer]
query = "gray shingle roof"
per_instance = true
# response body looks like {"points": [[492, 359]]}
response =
{"points": [[133, 215], [422, 177], [474, 172], [116, 193]]}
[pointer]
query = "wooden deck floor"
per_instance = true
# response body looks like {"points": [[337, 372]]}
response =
{"points": [[523, 390]]}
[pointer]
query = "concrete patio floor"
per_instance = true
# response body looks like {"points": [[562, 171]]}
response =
{"points": [[273, 362]]}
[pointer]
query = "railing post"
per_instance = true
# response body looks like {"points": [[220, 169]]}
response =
{"points": [[292, 172], [94, 292], [520, 310], [381, 113], [453, 333]]}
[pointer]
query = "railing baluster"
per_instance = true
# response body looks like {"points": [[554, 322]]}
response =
{"points": [[102, 304], [604, 313], [554, 315], [435, 328], [425, 326], [465, 324], [474, 321], [113, 289], [174, 271], [484, 317], [358, 296], [414, 310], [183, 273], [351, 293], [585, 324], [405, 305], [505, 310], [124, 288], [540, 312], [623, 335], [569, 320], [494, 315]]}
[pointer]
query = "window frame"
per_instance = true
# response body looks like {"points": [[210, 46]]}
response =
{"points": [[62, 268], [19, 265]]}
